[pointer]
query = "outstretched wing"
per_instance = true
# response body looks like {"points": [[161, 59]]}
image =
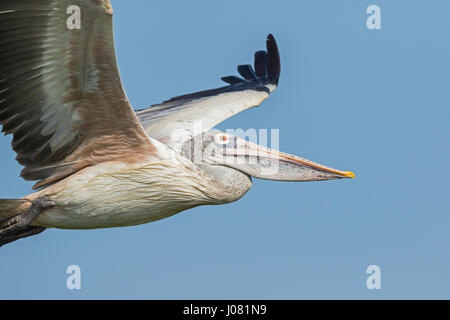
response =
{"points": [[182, 118], [60, 91]]}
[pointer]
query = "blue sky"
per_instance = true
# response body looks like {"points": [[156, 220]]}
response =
{"points": [[372, 101]]}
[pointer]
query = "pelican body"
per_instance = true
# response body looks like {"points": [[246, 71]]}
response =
{"points": [[97, 162]]}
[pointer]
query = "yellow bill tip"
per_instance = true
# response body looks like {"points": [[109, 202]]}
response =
{"points": [[349, 174]]}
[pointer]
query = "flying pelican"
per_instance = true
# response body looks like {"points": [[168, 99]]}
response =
{"points": [[97, 163]]}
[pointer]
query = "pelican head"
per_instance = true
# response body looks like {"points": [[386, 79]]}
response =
{"points": [[235, 160]]}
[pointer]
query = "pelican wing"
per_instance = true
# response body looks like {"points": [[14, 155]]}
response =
{"points": [[61, 96], [182, 118]]}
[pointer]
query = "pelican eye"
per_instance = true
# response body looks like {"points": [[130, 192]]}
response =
{"points": [[221, 139]]}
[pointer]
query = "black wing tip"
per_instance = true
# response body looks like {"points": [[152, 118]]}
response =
{"points": [[267, 66], [273, 59], [232, 80], [247, 72]]}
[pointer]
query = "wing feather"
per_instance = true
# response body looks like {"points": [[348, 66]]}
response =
{"points": [[61, 96], [181, 118]]}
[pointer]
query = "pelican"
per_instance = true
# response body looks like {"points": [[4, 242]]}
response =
{"points": [[99, 164]]}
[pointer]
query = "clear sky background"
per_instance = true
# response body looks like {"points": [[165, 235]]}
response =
{"points": [[372, 101]]}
